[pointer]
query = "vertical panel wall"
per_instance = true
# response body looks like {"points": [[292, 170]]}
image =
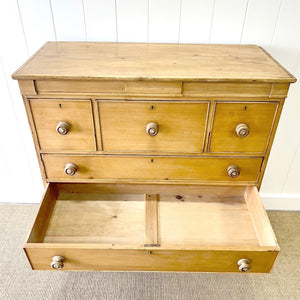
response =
{"points": [[273, 24]]}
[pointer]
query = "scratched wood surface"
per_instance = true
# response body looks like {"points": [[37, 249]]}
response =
{"points": [[169, 62]]}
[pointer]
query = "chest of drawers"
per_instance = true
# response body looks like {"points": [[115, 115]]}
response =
{"points": [[152, 155]]}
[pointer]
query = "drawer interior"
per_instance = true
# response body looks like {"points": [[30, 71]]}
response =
{"points": [[160, 216]]}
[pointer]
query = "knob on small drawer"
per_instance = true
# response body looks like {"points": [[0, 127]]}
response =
{"points": [[152, 128], [233, 171], [70, 169], [244, 265], [63, 128], [57, 262], [242, 130]]}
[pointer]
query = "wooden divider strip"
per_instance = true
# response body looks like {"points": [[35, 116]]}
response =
{"points": [[151, 220]]}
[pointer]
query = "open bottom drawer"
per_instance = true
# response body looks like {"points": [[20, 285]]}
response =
{"points": [[151, 228]]}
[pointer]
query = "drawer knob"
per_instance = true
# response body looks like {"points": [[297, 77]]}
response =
{"points": [[233, 171], [63, 128], [244, 265], [57, 262], [152, 128], [242, 130], [70, 169]]}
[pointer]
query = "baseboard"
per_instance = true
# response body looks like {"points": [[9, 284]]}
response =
{"points": [[282, 202]]}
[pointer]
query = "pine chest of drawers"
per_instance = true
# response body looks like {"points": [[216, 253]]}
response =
{"points": [[152, 155]]}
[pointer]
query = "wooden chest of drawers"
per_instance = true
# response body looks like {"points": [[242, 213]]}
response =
{"points": [[152, 155]]}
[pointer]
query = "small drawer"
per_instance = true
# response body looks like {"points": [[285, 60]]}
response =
{"points": [[242, 127], [151, 228], [141, 168], [63, 124], [153, 126]]}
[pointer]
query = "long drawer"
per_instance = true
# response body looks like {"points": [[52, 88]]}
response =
{"points": [[151, 228], [83, 167]]}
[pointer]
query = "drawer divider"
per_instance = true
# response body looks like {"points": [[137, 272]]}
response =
{"points": [[151, 222]]}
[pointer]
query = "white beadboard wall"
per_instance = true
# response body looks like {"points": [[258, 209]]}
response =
{"points": [[25, 25]]}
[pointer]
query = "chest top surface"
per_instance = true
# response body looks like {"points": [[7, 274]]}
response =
{"points": [[163, 62]]}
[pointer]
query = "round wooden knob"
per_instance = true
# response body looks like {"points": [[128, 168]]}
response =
{"points": [[57, 262], [233, 171], [70, 169], [63, 128], [244, 265], [152, 128], [242, 130]]}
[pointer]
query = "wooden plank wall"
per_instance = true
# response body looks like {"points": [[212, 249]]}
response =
{"points": [[26, 24]]}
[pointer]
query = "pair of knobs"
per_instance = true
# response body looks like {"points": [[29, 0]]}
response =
{"points": [[58, 263], [63, 128], [241, 130], [232, 171]]}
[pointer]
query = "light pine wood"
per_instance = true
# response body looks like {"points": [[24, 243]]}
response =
{"points": [[189, 220], [150, 259], [213, 89], [41, 221], [154, 203], [107, 219], [259, 117], [272, 136], [201, 231], [181, 126], [78, 86], [153, 87], [259, 218], [35, 138], [153, 97], [152, 168], [279, 90], [78, 113], [214, 191], [27, 87], [151, 220], [164, 62]]}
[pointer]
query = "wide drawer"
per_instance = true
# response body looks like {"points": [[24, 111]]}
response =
{"points": [[151, 228], [63, 124], [167, 126], [77, 167], [242, 127]]}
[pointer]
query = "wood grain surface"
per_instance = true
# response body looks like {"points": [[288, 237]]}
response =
{"points": [[164, 169], [164, 62]]}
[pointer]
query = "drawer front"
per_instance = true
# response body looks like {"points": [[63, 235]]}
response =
{"points": [[151, 168], [153, 126], [64, 124], [242, 127], [89, 258]]}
